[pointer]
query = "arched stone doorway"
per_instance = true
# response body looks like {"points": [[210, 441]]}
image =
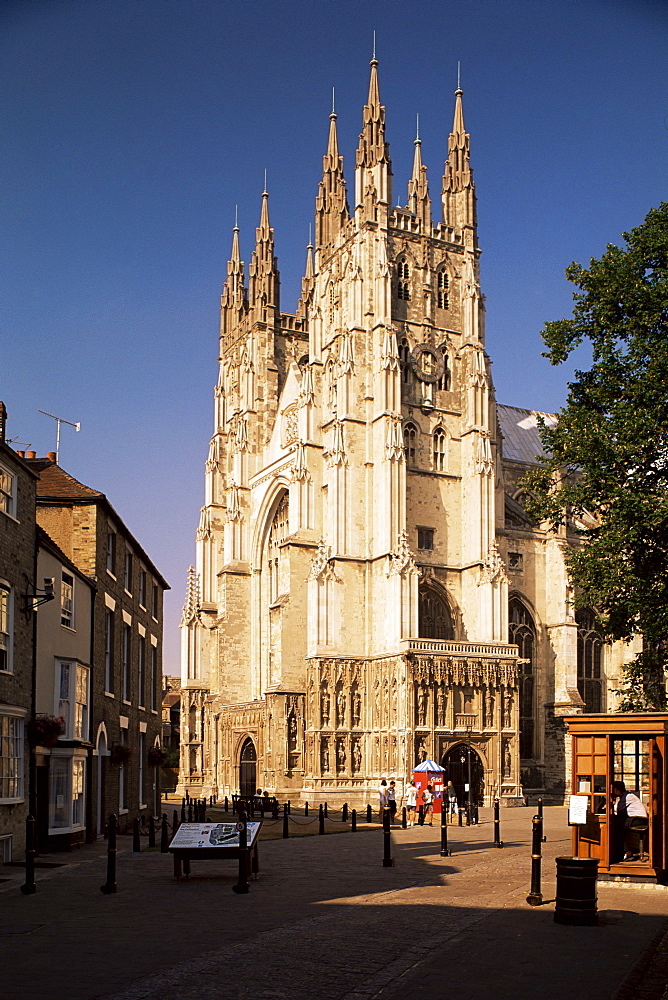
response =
{"points": [[456, 765], [247, 769]]}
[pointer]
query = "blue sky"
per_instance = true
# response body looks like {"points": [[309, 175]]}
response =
{"points": [[131, 129]]}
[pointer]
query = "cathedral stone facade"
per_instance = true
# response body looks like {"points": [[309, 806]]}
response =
{"points": [[369, 590]]}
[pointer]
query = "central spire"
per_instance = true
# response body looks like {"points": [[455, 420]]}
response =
{"points": [[419, 202], [459, 202], [373, 165], [331, 203]]}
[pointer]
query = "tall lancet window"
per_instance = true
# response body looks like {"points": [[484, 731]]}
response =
{"points": [[410, 443], [440, 450], [522, 632], [403, 279], [404, 355], [590, 677], [443, 289], [435, 620], [277, 534]]}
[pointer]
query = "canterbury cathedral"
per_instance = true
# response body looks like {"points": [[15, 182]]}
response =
{"points": [[369, 591]]}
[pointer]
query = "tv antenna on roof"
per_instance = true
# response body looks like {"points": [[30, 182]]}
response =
{"points": [[59, 421]]}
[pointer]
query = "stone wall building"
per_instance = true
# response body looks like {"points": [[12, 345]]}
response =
{"points": [[368, 590], [126, 679]]}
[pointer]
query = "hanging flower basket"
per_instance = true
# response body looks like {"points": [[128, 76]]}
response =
{"points": [[157, 756], [44, 730], [121, 754]]}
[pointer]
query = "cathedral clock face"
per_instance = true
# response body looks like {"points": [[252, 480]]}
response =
{"points": [[426, 363]]}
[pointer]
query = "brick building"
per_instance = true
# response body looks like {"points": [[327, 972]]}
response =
{"points": [[126, 675], [17, 580]]}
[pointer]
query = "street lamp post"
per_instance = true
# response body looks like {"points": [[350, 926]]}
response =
{"points": [[469, 807]]}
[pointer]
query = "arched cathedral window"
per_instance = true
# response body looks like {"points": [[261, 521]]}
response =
{"points": [[403, 279], [443, 289], [435, 620], [410, 443], [522, 632], [444, 381], [590, 679], [440, 449], [277, 534]]}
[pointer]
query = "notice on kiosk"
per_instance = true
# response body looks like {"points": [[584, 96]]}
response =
{"points": [[577, 810], [194, 835]]}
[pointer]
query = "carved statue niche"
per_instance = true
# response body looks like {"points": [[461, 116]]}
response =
{"points": [[324, 754], [292, 732], [341, 706], [340, 755], [324, 704], [489, 708], [422, 698], [356, 755], [440, 705], [420, 749], [394, 703], [508, 710], [507, 759], [376, 700], [356, 700]]}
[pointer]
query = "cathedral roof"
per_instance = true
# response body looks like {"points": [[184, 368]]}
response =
{"points": [[520, 431]]}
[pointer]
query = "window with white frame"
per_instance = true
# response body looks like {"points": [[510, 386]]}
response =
{"points": [[127, 572], [126, 656], [11, 758], [67, 599], [111, 551], [67, 793], [154, 678], [109, 651], [7, 491], [141, 671], [6, 626], [73, 699]]}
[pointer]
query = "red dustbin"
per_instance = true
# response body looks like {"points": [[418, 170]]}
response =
{"points": [[429, 773]]}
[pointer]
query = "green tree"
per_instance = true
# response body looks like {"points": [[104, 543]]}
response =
{"points": [[607, 464]]}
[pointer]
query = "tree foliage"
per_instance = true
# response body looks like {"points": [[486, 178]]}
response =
{"points": [[607, 464]]}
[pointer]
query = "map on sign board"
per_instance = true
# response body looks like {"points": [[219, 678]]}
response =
{"points": [[577, 809], [200, 835]]}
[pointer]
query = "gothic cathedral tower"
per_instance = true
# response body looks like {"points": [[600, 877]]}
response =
{"points": [[348, 613]]}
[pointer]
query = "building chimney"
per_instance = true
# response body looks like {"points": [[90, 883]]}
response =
{"points": [[51, 455], [21, 454], [3, 421], [31, 454]]}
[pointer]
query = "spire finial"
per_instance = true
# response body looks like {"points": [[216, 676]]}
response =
{"points": [[265, 182], [333, 106], [310, 237], [418, 140], [236, 218], [374, 46], [459, 79]]}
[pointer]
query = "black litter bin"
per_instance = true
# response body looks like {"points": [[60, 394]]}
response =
{"points": [[576, 891]]}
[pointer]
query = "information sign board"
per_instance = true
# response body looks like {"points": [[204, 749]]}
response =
{"points": [[577, 810], [191, 836]]}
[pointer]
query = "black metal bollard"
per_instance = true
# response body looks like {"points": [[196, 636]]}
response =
{"points": [[344, 813], [227, 804], [353, 821], [461, 812], [136, 842], [241, 888], [497, 824], [321, 820], [388, 860], [325, 810], [183, 814], [289, 808], [183, 802], [368, 813], [109, 886], [540, 813], [175, 821], [151, 832], [404, 821], [445, 853], [29, 887], [164, 835], [286, 820], [306, 808], [187, 797], [535, 897], [274, 811], [210, 800], [202, 818], [190, 813], [421, 815]]}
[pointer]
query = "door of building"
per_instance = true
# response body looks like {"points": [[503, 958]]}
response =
{"points": [[456, 764], [247, 769]]}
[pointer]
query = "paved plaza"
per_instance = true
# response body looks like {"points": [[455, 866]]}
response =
{"points": [[325, 919]]}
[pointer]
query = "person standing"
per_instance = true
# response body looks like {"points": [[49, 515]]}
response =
{"points": [[382, 797], [411, 800], [392, 800], [450, 800], [428, 802]]}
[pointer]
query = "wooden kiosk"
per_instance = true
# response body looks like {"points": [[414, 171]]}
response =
{"points": [[631, 748]]}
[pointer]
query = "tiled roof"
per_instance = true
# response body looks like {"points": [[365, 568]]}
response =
{"points": [[520, 431], [55, 482]]}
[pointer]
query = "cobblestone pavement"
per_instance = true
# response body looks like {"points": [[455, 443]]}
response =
{"points": [[326, 919]]}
